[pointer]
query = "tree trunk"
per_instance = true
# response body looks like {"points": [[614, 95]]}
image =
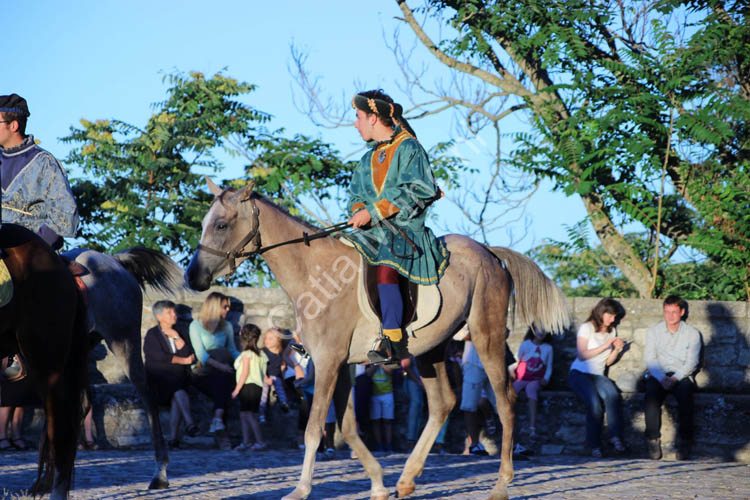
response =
{"points": [[618, 248]]}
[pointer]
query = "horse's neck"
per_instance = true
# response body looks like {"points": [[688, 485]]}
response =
{"points": [[292, 264]]}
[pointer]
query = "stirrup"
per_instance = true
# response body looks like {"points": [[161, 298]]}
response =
{"points": [[386, 351], [381, 351]]}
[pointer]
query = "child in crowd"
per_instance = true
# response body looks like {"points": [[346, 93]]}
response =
{"points": [[250, 369], [381, 406], [273, 349], [533, 369]]}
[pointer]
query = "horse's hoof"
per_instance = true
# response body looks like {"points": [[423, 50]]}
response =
{"points": [[158, 483], [379, 496], [498, 495], [297, 494], [403, 490]]}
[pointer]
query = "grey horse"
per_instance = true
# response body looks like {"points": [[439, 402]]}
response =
{"points": [[320, 279], [114, 286]]}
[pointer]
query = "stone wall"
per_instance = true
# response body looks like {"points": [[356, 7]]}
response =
{"points": [[722, 405], [725, 327]]}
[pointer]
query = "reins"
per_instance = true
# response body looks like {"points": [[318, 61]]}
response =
{"points": [[254, 236]]}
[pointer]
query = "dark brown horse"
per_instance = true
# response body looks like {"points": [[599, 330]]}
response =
{"points": [[45, 322]]}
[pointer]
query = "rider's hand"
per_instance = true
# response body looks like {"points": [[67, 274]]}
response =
{"points": [[361, 218]]}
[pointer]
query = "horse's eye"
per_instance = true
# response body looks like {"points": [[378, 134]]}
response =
{"points": [[221, 226]]}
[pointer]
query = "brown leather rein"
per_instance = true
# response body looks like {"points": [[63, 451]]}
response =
{"points": [[254, 236]]}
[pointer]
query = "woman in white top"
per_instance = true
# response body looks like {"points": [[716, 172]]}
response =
{"points": [[598, 347]]}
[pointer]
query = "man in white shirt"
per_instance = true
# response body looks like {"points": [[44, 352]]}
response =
{"points": [[672, 355]]}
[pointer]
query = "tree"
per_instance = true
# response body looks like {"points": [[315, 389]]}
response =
{"points": [[583, 270], [144, 186], [639, 108]]}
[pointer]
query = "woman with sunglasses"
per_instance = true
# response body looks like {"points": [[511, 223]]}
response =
{"points": [[212, 337]]}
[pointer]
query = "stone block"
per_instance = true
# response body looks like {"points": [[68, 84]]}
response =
{"points": [[648, 310], [551, 449], [715, 357], [628, 381], [743, 359], [571, 433], [742, 454], [639, 337], [716, 309], [583, 306], [724, 332], [702, 380]]}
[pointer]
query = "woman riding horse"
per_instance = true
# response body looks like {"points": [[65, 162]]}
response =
{"points": [[389, 194]]}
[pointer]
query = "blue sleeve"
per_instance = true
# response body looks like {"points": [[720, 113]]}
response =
{"points": [[229, 331], [196, 330]]}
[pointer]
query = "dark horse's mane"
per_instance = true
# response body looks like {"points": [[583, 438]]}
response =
{"points": [[12, 235]]}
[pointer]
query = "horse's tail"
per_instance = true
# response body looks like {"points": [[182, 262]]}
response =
{"points": [[536, 298], [152, 267]]}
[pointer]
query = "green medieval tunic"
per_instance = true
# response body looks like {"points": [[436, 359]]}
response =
{"points": [[394, 182]]}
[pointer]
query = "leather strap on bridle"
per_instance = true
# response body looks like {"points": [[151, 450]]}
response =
{"points": [[238, 250], [254, 236]]}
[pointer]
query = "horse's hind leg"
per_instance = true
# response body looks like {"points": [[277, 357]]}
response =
{"points": [[128, 354], [440, 402], [347, 423], [487, 327]]}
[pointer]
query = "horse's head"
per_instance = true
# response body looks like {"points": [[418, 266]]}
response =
{"points": [[230, 232]]}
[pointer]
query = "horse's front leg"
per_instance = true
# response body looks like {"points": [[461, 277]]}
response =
{"points": [[326, 374], [441, 401], [348, 425]]}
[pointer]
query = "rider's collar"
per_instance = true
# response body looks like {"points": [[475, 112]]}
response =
{"points": [[27, 141], [375, 144]]}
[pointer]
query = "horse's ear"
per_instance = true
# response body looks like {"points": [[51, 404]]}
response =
{"points": [[247, 191], [216, 190]]}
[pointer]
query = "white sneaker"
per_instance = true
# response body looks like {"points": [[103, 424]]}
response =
{"points": [[216, 425]]}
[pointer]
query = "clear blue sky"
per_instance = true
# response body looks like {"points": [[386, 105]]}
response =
{"points": [[93, 59]]}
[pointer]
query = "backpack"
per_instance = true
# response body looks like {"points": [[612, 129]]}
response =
{"points": [[531, 368]]}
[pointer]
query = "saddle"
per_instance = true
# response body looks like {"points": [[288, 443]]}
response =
{"points": [[421, 302], [6, 284]]}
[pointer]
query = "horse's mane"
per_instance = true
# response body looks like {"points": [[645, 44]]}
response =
{"points": [[281, 208]]}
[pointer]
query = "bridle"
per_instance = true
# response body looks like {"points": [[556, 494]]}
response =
{"points": [[253, 236]]}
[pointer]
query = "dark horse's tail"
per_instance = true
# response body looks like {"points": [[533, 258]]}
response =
{"points": [[153, 268]]}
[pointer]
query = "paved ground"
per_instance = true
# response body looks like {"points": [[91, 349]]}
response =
{"points": [[213, 474]]}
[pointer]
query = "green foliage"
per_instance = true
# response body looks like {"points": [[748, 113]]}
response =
{"points": [[145, 186], [620, 93], [583, 270], [579, 270]]}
